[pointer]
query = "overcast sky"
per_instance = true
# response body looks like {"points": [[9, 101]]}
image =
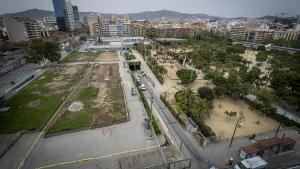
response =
{"points": [[225, 8]]}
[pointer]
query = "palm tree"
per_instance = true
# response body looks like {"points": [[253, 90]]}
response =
{"points": [[186, 97], [201, 109]]}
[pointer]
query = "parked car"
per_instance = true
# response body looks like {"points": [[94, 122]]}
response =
{"points": [[143, 87], [133, 92], [147, 124], [252, 163]]}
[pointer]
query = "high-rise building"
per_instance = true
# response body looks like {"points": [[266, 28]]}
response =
{"points": [[76, 13], [21, 29], [93, 19], [64, 15]]}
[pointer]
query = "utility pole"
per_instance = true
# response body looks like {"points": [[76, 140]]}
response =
{"points": [[280, 124], [237, 123]]}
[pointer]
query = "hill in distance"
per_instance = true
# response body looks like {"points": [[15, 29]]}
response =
{"points": [[150, 15]]}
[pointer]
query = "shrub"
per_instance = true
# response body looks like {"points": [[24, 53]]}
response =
{"points": [[206, 93], [205, 130], [155, 126], [186, 75]]}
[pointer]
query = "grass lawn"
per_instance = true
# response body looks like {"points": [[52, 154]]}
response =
{"points": [[79, 56], [81, 119], [35, 103]]}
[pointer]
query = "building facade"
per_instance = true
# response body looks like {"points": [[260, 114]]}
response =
{"points": [[238, 32], [261, 35], [93, 20], [64, 15], [76, 13], [21, 29]]}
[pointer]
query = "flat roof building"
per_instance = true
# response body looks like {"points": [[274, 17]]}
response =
{"points": [[21, 29]]}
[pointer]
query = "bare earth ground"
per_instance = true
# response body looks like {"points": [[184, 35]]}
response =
{"points": [[83, 57], [223, 127], [107, 57], [110, 98]]}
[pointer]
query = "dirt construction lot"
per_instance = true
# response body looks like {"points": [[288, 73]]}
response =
{"points": [[110, 98], [107, 56], [224, 126], [101, 99]]}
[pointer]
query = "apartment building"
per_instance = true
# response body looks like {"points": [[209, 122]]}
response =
{"points": [[123, 27], [93, 20], [138, 29], [21, 29], [261, 35], [286, 35], [238, 32]]}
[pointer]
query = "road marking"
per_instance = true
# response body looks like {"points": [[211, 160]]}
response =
{"points": [[96, 158]]}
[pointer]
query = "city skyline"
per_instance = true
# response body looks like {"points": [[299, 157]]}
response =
{"points": [[231, 8]]}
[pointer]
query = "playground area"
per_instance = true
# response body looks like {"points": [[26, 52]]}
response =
{"points": [[254, 121], [220, 123]]}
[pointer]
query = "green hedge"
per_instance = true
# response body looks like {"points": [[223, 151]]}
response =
{"points": [[272, 113], [155, 126], [205, 130]]}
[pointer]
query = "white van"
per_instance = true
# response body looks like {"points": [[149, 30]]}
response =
{"points": [[252, 163]]}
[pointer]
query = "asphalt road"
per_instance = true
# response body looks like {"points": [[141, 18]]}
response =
{"points": [[180, 135]]}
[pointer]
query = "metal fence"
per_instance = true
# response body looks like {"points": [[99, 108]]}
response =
{"points": [[215, 140]]}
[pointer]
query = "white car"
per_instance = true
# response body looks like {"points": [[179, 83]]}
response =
{"points": [[143, 87]]}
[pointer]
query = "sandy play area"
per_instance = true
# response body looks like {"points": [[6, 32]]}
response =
{"points": [[171, 83], [223, 126]]}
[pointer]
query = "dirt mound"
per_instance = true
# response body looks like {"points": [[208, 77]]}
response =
{"points": [[76, 106]]}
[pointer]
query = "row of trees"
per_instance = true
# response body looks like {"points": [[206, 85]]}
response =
{"points": [[39, 50], [158, 70]]}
